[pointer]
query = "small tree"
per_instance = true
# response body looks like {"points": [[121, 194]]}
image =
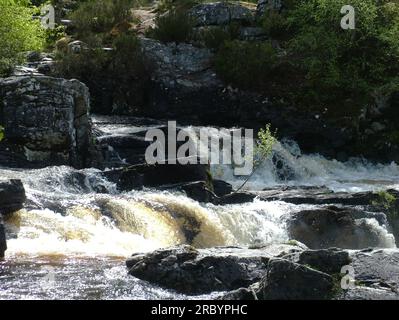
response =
{"points": [[262, 150], [18, 33]]}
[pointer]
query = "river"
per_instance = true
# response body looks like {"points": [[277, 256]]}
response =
{"points": [[72, 239]]}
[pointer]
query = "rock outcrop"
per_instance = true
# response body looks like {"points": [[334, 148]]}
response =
{"points": [[12, 196], [220, 13], [46, 121], [274, 272], [195, 271], [287, 280]]}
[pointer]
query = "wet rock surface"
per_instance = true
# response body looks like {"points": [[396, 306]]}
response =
{"points": [[319, 196], [12, 196], [271, 272], [285, 280], [338, 227], [195, 271]]}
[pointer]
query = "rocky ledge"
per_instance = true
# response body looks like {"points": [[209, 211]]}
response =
{"points": [[286, 271], [12, 198]]}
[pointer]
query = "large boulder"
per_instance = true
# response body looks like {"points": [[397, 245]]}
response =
{"points": [[196, 271], [286, 280], [329, 261], [12, 196], [180, 65], [220, 13], [46, 119], [145, 175], [338, 227]]}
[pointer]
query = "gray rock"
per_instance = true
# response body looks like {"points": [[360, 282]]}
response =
{"points": [[220, 13], [378, 127], [77, 46], [377, 267], [47, 118], [286, 280], [365, 293], [180, 65], [195, 271], [12, 196], [329, 261], [3, 242], [252, 33], [337, 227], [268, 5], [319, 196]]}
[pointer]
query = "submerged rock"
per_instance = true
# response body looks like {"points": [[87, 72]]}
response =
{"points": [[46, 120], [339, 227], [196, 271]]}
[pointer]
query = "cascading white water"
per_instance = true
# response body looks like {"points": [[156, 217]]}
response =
{"points": [[70, 224], [296, 169]]}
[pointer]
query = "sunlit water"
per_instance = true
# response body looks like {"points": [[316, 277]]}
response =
{"points": [[71, 242]]}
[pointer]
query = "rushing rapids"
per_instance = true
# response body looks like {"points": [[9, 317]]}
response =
{"points": [[77, 228]]}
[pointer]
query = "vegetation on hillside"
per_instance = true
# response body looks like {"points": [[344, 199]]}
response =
{"points": [[110, 63], [18, 33], [320, 65]]}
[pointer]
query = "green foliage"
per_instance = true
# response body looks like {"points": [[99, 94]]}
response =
{"points": [[318, 65], [118, 77], [121, 75], [343, 70], [53, 35], [264, 144], [100, 16], [18, 33], [1, 133], [248, 65], [215, 37], [387, 202], [173, 5], [263, 149], [174, 26]]}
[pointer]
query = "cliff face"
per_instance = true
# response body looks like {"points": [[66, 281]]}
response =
{"points": [[46, 120]]}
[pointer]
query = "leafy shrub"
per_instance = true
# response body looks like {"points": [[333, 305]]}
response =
{"points": [[248, 65], [117, 78], [174, 26], [100, 16], [323, 66], [214, 37], [53, 35], [172, 5], [18, 33], [1, 133]]}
